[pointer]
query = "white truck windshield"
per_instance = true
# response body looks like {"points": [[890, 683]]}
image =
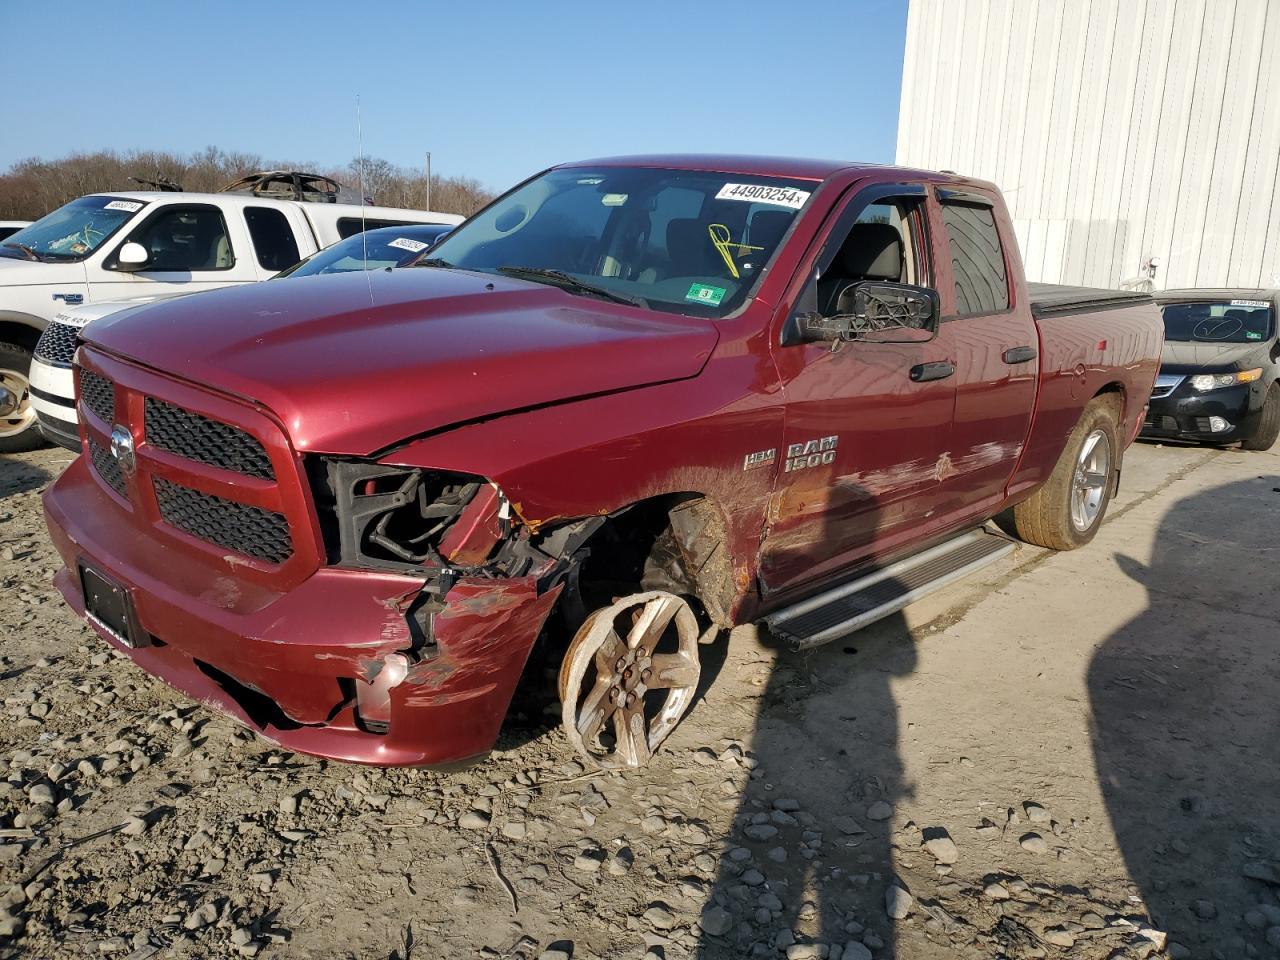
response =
{"points": [[73, 231]]}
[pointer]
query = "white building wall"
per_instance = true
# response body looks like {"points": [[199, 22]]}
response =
{"points": [[1119, 130]]}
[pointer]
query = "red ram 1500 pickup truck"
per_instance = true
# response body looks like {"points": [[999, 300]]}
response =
{"points": [[630, 401]]}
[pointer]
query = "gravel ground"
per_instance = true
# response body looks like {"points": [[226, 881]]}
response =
{"points": [[1071, 755]]}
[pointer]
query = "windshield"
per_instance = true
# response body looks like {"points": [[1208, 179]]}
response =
{"points": [[676, 240], [73, 231], [387, 247], [1223, 321]]}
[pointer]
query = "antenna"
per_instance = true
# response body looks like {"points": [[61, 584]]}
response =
{"points": [[364, 236]]}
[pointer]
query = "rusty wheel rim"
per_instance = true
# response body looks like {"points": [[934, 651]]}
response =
{"points": [[618, 660]]}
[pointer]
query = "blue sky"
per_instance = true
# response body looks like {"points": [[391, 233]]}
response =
{"points": [[494, 90]]}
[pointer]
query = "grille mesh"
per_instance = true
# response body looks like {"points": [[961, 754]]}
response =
{"points": [[235, 526], [206, 441], [58, 343], [107, 467], [99, 395]]}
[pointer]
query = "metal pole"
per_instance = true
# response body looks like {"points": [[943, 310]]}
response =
{"points": [[428, 207]]}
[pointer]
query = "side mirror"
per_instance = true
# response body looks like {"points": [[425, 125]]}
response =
{"points": [[877, 312], [132, 256]]}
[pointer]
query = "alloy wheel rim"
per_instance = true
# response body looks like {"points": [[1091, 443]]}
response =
{"points": [[1089, 481], [609, 674], [22, 415]]}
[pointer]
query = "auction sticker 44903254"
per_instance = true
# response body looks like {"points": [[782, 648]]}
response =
{"points": [[763, 193]]}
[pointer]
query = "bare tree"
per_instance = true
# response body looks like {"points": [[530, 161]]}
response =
{"points": [[31, 188]]}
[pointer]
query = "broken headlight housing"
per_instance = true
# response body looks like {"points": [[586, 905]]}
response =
{"points": [[385, 516]]}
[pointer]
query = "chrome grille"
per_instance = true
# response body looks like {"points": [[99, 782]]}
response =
{"points": [[207, 441], [57, 345], [99, 395], [1166, 383], [251, 531]]}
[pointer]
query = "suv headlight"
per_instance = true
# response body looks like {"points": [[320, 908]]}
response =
{"points": [[1214, 381]]}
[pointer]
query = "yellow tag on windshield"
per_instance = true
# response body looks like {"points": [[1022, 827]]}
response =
{"points": [[723, 241]]}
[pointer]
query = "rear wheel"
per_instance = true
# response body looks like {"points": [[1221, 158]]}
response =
{"points": [[1268, 424], [1067, 511], [18, 428]]}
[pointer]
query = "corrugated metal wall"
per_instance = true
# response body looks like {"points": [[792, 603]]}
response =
{"points": [[1119, 130]]}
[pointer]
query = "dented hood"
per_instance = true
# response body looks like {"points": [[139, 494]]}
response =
{"points": [[357, 362]]}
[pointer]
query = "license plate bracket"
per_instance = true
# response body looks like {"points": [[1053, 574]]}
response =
{"points": [[108, 605]]}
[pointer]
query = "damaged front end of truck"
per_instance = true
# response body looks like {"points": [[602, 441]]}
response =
{"points": [[489, 580]]}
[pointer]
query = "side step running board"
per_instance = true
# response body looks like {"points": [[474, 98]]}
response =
{"points": [[851, 606]]}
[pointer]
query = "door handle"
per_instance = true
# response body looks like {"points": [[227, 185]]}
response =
{"points": [[938, 370], [1019, 354]]}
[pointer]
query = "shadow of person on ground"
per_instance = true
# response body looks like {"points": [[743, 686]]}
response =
{"points": [[19, 475], [806, 862], [1186, 724]]}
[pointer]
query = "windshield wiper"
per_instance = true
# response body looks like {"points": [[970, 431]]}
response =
{"points": [[433, 262], [31, 254], [569, 282]]}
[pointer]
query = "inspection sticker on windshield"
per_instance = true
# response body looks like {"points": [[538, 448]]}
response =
{"points": [[131, 206], [762, 193], [404, 243], [704, 293], [1250, 303]]}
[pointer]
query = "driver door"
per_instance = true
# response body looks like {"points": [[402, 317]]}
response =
{"points": [[190, 247], [865, 423]]}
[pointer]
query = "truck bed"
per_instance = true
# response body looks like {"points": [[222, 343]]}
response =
{"points": [[1057, 299]]}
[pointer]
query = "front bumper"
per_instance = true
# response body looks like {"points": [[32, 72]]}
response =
{"points": [[1188, 414], [298, 666], [53, 396]]}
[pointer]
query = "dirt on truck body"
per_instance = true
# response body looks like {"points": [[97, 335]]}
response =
{"points": [[629, 403]]}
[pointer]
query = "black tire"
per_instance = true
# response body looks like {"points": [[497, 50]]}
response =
{"points": [[1045, 518], [15, 365], [1268, 424]]}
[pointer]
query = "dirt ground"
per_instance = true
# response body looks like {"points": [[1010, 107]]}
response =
{"points": [[1072, 755]]}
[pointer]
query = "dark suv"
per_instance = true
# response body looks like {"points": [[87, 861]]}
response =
{"points": [[1219, 369]]}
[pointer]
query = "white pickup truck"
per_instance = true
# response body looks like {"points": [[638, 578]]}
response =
{"points": [[142, 243]]}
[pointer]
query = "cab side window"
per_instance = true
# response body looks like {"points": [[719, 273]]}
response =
{"points": [[885, 242], [272, 238], [977, 259], [186, 239]]}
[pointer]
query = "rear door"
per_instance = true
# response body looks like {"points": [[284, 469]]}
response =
{"points": [[863, 427], [190, 246], [989, 328]]}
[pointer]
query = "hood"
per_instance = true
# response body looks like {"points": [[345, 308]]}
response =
{"points": [[1181, 356], [353, 363], [22, 273], [79, 316]]}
